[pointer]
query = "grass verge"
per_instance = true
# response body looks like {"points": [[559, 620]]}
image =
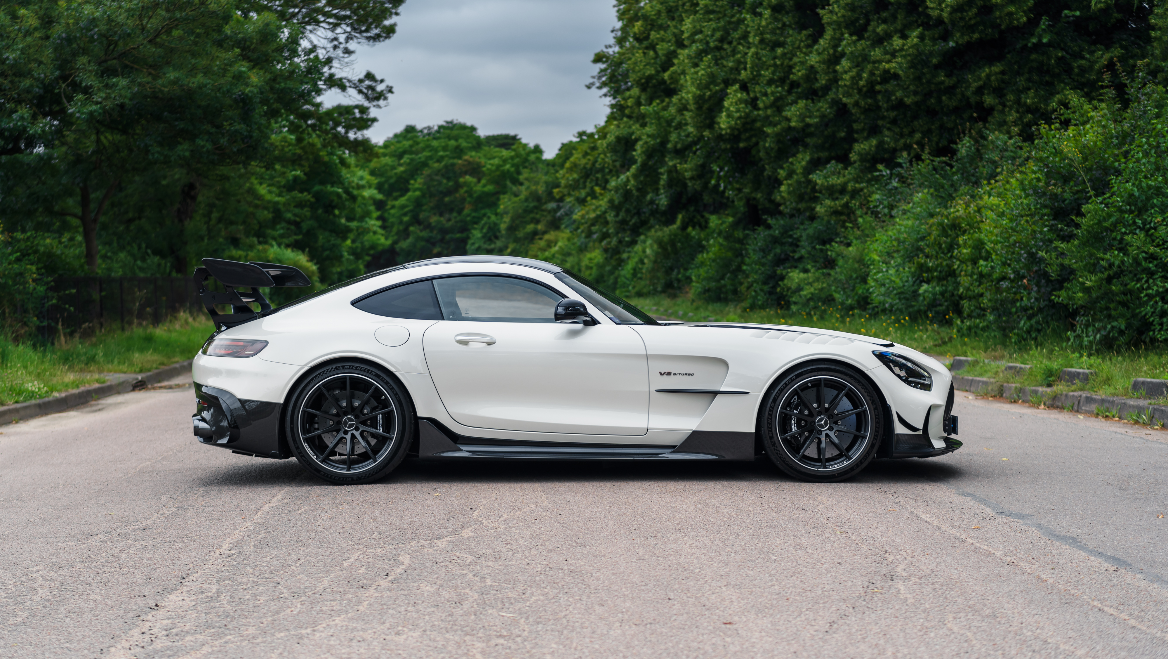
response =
{"points": [[28, 372], [1114, 371]]}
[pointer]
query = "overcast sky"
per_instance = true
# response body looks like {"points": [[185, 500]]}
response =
{"points": [[505, 66]]}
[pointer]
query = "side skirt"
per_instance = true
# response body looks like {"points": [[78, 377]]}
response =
{"points": [[720, 445], [436, 441]]}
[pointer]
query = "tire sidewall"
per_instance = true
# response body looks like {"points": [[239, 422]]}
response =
{"points": [[406, 426], [787, 463]]}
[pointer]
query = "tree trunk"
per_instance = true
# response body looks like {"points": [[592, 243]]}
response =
{"points": [[89, 231], [89, 221], [754, 219], [188, 195]]}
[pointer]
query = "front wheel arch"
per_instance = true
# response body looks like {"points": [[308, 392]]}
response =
{"points": [[863, 389], [887, 440]]}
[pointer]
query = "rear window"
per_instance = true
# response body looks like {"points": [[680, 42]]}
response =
{"points": [[415, 300]]}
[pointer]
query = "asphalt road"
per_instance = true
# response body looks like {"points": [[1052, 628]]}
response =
{"points": [[123, 537]]}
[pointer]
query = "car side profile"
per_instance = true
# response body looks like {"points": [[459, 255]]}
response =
{"points": [[490, 357]]}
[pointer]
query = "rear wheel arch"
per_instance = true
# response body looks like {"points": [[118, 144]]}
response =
{"points": [[333, 361], [336, 361]]}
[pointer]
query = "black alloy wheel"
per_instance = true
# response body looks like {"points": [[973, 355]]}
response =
{"points": [[349, 423], [821, 424]]}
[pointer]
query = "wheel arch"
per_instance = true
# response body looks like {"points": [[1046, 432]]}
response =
{"points": [[282, 434], [887, 441]]}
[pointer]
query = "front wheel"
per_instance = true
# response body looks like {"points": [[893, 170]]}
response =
{"points": [[349, 423], [822, 424]]}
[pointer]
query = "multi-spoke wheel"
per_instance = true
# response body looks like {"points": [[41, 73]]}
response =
{"points": [[822, 424], [349, 423]]}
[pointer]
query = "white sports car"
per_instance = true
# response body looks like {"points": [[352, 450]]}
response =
{"points": [[477, 357]]}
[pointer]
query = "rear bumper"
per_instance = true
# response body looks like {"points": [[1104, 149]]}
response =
{"points": [[244, 426]]}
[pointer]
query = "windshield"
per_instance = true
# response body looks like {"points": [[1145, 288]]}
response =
{"points": [[617, 309]]}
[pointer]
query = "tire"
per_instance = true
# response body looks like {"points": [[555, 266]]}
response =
{"points": [[343, 447], [813, 446]]}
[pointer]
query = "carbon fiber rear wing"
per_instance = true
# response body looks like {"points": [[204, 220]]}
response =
{"points": [[242, 283]]}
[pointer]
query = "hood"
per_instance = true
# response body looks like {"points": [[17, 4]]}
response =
{"points": [[861, 338]]}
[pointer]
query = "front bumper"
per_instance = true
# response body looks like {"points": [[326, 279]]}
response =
{"points": [[914, 446], [251, 427], [920, 444]]}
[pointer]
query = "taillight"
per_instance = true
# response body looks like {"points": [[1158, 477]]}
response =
{"points": [[234, 347]]}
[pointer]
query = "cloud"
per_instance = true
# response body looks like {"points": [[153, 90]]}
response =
{"points": [[505, 66]]}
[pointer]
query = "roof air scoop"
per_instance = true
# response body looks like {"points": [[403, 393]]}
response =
{"points": [[242, 283]]}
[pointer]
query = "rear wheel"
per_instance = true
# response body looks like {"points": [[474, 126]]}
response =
{"points": [[349, 423], [822, 423]]}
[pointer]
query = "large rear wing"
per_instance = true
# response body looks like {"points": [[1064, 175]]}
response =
{"points": [[242, 283]]}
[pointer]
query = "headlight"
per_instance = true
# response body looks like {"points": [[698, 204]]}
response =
{"points": [[906, 370], [233, 347]]}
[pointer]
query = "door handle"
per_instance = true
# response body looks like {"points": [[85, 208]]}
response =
{"points": [[466, 339]]}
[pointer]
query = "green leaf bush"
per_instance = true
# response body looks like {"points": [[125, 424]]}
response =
{"points": [[1068, 231]]}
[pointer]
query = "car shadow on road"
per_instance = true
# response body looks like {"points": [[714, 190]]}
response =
{"points": [[514, 471], [268, 473], [251, 472], [908, 470], [762, 469]]}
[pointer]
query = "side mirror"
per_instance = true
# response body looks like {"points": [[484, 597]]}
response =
{"points": [[573, 311]]}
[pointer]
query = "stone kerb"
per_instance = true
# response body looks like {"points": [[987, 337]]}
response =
{"points": [[70, 399], [1075, 401]]}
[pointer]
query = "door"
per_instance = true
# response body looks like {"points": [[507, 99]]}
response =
{"points": [[499, 361]]}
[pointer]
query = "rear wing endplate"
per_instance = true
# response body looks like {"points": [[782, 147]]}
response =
{"points": [[242, 282]]}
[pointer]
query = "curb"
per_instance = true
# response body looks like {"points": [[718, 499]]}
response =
{"points": [[1076, 401], [77, 397]]}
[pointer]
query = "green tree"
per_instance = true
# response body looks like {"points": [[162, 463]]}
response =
{"points": [[1066, 232], [329, 29], [441, 188], [333, 28], [312, 197], [777, 113], [1116, 263], [99, 91], [28, 263], [915, 227]]}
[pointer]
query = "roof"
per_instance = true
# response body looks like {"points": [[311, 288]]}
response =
{"points": [[474, 258], [483, 258]]}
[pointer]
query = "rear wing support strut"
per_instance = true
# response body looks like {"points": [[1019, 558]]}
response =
{"points": [[242, 283]]}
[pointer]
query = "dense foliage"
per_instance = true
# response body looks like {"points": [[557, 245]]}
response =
{"points": [[1000, 166], [961, 160], [441, 189], [145, 134], [1067, 231], [779, 112]]}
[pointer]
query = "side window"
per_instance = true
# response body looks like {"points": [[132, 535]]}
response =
{"points": [[495, 299], [415, 300]]}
